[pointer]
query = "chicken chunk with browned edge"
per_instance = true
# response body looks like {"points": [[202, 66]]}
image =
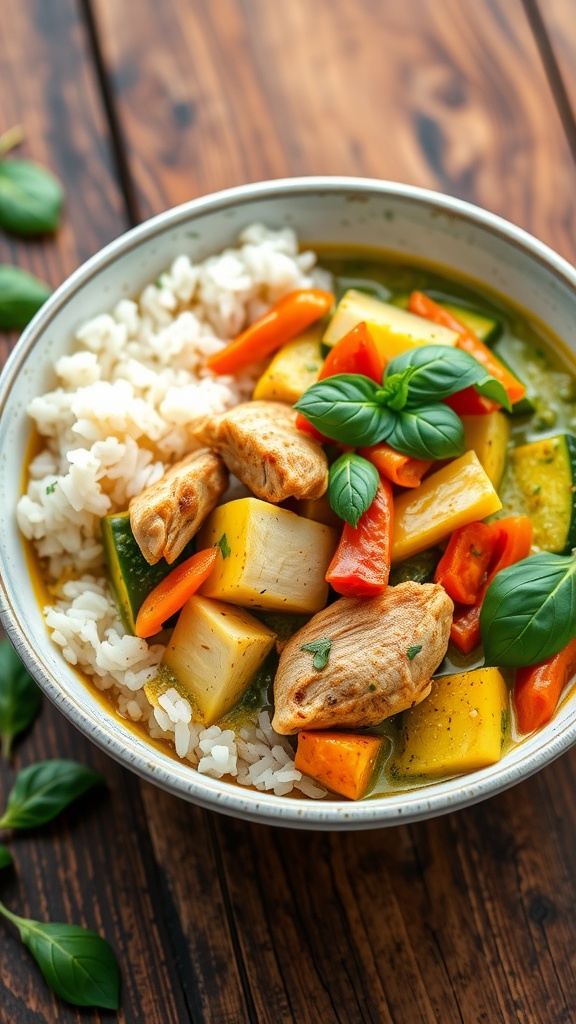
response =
{"points": [[261, 445], [381, 655], [166, 515]]}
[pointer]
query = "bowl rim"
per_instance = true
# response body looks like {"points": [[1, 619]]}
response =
{"points": [[182, 779]]}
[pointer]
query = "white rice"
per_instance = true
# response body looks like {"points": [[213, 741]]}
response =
{"points": [[119, 415]]}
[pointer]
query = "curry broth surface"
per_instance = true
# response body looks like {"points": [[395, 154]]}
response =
{"points": [[547, 360]]}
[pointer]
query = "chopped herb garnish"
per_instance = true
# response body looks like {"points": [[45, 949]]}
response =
{"points": [[224, 546], [413, 651], [321, 651], [311, 367], [52, 487]]}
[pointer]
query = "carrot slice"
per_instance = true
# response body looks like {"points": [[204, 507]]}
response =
{"points": [[361, 564], [423, 306], [399, 469], [283, 321], [463, 566], [173, 591], [538, 688], [342, 761]]}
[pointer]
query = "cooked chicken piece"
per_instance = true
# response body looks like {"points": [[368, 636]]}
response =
{"points": [[382, 654], [166, 515], [260, 444]]}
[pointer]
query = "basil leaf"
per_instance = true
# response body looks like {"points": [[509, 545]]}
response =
{"points": [[224, 546], [30, 198], [529, 611], [430, 432], [352, 486], [394, 392], [20, 698], [412, 651], [439, 371], [77, 964], [321, 651], [42, 790], [21, 295], [5, 857], [345, 408]]}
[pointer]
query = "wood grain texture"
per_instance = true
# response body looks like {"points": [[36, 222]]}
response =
{"points": [[467, 919], [553, 28]]}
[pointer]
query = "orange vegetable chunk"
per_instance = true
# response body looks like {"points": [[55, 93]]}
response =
{"points": [[342, 761]]}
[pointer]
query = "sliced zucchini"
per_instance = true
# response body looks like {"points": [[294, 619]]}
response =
{"points": [[543, 484], [485, 327], [419, 569], [131, 577], [394, 330]]}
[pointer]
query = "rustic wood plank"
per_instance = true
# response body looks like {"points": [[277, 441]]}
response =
{"points": [[553, 27], [467, 918]]}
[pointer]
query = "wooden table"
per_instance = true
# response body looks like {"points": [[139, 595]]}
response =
{"points": [[139, 105]]}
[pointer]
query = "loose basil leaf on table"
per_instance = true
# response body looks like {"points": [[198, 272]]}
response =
{"points": [[345, 408], [430, 432], [42, 790], [352, 486], [78, 965], [438, 371], [30, 198], [529, 611], [21, 295], [20, 698], [5, 857]]}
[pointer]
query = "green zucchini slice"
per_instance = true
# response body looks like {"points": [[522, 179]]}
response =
{"points": [[485, 327], [544, 488]]}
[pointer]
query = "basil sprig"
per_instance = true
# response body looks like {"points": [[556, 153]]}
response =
{"points": [[406, 409], [529, 611], [78, 965], [42, 790], [352, 486], [20, 698]]}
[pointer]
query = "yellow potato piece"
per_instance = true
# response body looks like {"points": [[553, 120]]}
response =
{"points": [[488, 436], [277, 560], [293, 370], [394, 330], [214, 652], [459, 727], [455, 495]]}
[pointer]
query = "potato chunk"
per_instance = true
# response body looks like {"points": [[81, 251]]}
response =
{"points": [[458, 728], [293, 369], [214, 652], [273, 558]]}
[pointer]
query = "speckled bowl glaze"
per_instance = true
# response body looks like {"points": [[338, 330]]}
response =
{"points": [[343, 211]]}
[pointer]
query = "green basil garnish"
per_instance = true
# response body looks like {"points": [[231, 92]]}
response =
{"points": [[20, 698], [438, 371], [42, 790], [431, 432], [21, 296], [78, 965], [352, 486], [346, 408], [321, 651], [529, 611], [5, 857]]}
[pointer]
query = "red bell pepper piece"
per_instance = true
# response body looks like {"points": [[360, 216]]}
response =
{"points": [[356, 352], [469, 342], [513, 542], [538, 688], [399, 469], [361, 564], [463, 567]]}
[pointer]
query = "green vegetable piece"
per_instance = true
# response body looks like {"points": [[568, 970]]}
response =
{"points": [[321, 651], [6, 858], [346, 408], [542, 475], [412, 651], [131, 577], [529, 611], [420, 568], [30, 198], [78, 965], [20, 698], [42, 790], [352, 486], [224, 546], [21, 296], [430, 432]]}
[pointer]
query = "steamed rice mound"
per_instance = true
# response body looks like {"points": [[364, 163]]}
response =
{"points": [[118, 417]]}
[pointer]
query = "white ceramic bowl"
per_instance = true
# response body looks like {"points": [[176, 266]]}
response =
{"points": [[345, 211]]}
